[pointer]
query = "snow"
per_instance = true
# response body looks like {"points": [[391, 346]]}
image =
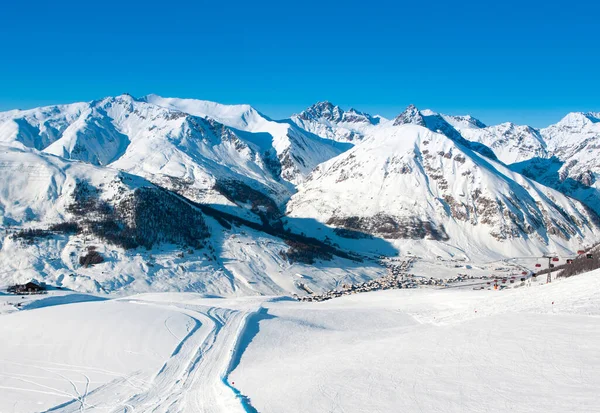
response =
{"points": [[56, 354], [289, 142], [247, 262], [122, 143], [511, 143], [524, 349], [329, 121], [412, 174], [213, 329]]}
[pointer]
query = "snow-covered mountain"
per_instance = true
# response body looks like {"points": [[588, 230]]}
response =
{"points": [[437, 123], [571, 163], [126, 173], [562, 156], [462, 122], [332, 122], [55, 212], [408, 183], [188, 150], [575, 140], [511, 143], [296, 150]]}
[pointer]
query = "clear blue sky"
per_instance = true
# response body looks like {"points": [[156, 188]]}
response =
{"points": [[526, 61]]}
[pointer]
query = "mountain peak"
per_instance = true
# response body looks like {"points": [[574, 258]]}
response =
{"points": [[322, 110], [410, 115], [471, 121], [578, 120]]}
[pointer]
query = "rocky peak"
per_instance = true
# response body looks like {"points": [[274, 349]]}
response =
{"points": [[410, 115], [355, 116], [471, 121], [323, 110]]}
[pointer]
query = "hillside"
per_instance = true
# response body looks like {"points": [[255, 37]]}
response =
{"points": [[408, 183], [191, 195], [188, 352]]}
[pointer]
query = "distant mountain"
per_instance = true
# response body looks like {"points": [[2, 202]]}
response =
{"points": [[296, 151], [572, 164], [511, 143], [331, 122], [562, 156], [463, 122], [437, 123]]}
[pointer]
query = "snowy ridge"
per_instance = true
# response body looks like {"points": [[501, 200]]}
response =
{"points": [[571, 164], [178, 150], [331, 122], [407, 183], [296, 151], [511, 143], [437, 123], [36, 187], [422, 182]]}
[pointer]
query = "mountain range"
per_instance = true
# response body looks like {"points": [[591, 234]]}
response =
{"points": [[185, 194]]}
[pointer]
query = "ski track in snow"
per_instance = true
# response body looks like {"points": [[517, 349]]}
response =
{"points": [[195, 376]]}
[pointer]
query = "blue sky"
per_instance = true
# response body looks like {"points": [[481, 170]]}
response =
{"points": [[526, 61]]}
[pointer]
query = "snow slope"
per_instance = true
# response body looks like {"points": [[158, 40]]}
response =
{"points": [[69, 352], [408, 184], [298, 152], [522, 350], [526, 349], [160, 353], [36, 187], [511, 143], [169, 147]]}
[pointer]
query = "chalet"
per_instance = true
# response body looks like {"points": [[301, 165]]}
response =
{"points": [[30, 288]]}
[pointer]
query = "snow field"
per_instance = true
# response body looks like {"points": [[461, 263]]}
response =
{"points": [[523, 350]]}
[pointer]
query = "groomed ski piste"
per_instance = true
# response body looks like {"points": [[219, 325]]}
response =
{"points": [[526, 349]]}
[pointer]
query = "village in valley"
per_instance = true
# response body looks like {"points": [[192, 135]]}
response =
{"points": [[502, 275]]}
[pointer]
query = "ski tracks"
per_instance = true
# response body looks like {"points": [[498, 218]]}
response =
{"points": [[195, 376]]}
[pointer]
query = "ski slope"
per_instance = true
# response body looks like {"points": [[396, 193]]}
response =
{"points": [[527, 349], [155, 352], [524, 350]]}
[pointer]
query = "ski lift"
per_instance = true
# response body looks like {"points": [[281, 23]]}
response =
{"points": [[555, 259], [538, 265]]}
